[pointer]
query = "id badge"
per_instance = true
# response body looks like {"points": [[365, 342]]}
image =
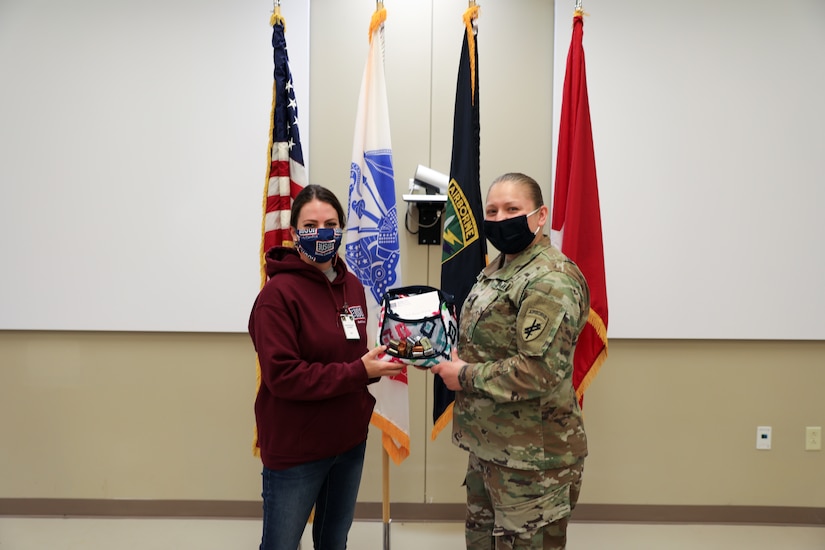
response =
{"points": [[350, 330]]}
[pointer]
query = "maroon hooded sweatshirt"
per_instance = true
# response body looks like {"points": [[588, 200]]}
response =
{"points": [[313, 402]]}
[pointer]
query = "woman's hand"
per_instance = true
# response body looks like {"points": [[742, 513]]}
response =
{"points": [[378, 367]]}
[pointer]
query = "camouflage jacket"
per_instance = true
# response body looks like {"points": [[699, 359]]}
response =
{"points": [[518, 330]]}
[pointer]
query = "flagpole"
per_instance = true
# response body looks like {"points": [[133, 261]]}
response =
{"points": [[385, 496]]}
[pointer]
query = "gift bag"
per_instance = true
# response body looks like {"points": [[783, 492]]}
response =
{"points": [[417, 324]]}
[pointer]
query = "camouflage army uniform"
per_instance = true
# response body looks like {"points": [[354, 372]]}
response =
{"points": [[517, 413]]}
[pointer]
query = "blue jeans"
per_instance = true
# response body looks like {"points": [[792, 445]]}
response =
{"points": [[331, 484]]}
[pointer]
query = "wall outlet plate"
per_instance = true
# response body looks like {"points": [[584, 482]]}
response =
{"points": [[763, 438], [813, 438]]}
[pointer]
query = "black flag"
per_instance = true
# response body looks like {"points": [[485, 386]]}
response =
{"points": [[464, 249]]}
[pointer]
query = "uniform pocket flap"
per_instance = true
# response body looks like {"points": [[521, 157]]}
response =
{"points": [[530, 515]]}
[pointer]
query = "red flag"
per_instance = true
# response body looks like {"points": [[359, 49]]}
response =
{"points": [[577, 225]]}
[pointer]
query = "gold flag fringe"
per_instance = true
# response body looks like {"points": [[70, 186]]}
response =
{"points": [[594, 320], [266, 183], [378, 19], [469, 16], [277, 18], [256, 449], [394, 441], [445, 418]]}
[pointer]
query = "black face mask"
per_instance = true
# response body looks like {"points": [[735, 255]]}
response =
{"points": [[512, 235]]}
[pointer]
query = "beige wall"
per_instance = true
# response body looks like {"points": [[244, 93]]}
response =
{"points": [[169, 416]]}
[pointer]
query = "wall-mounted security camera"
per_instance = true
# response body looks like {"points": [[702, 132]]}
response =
{"points": [[433, 181], [425, 198], [430, 203]]}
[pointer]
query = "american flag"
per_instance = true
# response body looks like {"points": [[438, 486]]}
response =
{"points": [[287, 174]]}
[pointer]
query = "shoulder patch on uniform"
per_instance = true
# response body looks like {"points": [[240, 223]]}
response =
{"points": [[534, 325]]}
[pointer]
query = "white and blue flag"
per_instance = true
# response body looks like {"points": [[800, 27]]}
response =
{"points": [[372, 249]]}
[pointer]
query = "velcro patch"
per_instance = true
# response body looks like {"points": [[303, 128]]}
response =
{"points": [[534, 325]]}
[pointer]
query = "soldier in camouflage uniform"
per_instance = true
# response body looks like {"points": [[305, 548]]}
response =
{"points": [[516, 411]]}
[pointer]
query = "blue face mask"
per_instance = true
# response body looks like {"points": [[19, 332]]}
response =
{"points": [[319, 244]]}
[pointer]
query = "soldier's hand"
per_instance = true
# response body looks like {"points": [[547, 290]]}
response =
{"points": [[449, 370]]}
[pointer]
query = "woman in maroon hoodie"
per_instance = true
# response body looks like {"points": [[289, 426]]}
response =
{"points": [[313, 408]]}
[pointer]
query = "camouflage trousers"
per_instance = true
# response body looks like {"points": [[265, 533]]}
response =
{"points": [[511, 509]]}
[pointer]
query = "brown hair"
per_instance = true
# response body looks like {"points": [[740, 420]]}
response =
{"points": [[323, 194], [533, 189]]}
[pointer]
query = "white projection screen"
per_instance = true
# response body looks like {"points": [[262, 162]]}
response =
{"points": [[709, 135], [133, 159]]}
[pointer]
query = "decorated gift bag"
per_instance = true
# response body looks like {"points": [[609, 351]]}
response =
{"points": [[417, 325]]}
